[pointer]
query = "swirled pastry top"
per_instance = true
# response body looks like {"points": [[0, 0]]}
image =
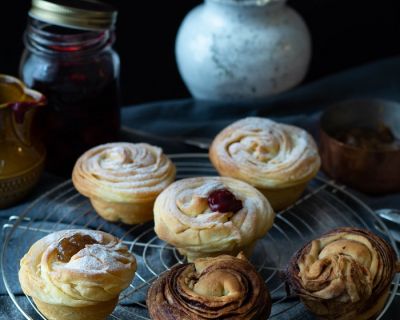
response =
{"points": [[265, 153], [348, 267], [76, 268], [183, 216], [212, 288], [123, 172]]}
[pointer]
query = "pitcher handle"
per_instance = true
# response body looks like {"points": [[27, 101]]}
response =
{"points": [[24, 113]]}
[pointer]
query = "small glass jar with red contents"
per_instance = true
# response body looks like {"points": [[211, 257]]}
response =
{"points": [[69, 58]]}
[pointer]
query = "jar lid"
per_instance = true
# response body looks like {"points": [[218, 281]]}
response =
{"points": [[75, 14]]}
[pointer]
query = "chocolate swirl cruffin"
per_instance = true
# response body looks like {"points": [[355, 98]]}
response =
{"points": [[276, 158], [122, 180], [345, 274], [224, 287]]}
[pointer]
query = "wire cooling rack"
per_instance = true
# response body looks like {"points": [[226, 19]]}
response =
{"points": [[324, 206]]}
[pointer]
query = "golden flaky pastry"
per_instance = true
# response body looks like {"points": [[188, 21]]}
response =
{"points": [[277, 159], [209, 216], [122, 180], [224, 287], [76, 274], [344, 275]]}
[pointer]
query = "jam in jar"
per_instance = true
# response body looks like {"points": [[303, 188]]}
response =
{"points": [[74, 65]]}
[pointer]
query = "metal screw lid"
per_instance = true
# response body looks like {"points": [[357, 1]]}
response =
{"points": [[75, 14]]}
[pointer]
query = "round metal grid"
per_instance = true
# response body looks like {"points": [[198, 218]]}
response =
{"points": [[324, 206]]}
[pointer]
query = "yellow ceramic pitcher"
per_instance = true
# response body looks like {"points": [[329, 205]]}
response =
{"points": [[21, 154]]}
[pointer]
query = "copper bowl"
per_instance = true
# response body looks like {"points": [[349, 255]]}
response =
{"points": [[370, 171]]}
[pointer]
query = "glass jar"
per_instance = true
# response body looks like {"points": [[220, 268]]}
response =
{"points": [[78, 71]]}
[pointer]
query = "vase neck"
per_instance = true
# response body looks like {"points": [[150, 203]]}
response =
{"points": [[249, 3]]}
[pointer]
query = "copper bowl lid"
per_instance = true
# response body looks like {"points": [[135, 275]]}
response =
{"points": [[368, 170]]}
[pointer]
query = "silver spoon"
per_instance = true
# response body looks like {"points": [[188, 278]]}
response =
{"points": [[392, 215]]}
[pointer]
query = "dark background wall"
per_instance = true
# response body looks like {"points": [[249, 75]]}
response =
{"points": [[345, 34]]}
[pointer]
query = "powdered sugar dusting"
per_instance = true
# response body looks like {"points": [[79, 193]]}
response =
{"points": [[96, 272], [183, 210], [107, 255], [183, 195], [125, 168], [99, 258], [263, 149]]}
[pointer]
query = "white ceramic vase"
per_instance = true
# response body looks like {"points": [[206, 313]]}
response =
{"points": [[232, 50]]}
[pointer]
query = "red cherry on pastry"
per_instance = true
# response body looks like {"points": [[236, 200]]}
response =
{"points": [[223, 200]]}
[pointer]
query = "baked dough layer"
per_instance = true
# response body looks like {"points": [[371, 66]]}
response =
{"points": [[123, 180], [123, 172], [224, 287], [345, 274], [183, 218], [94, 274], [265, 153]]}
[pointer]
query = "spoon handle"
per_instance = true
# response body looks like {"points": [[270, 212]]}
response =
{"points": [[392, 215]]}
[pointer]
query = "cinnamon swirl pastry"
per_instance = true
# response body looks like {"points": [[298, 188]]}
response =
{"points": [[122, 180], [209, 216], [224, 287], [345, 274], [277, 159], [76, 274]]}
